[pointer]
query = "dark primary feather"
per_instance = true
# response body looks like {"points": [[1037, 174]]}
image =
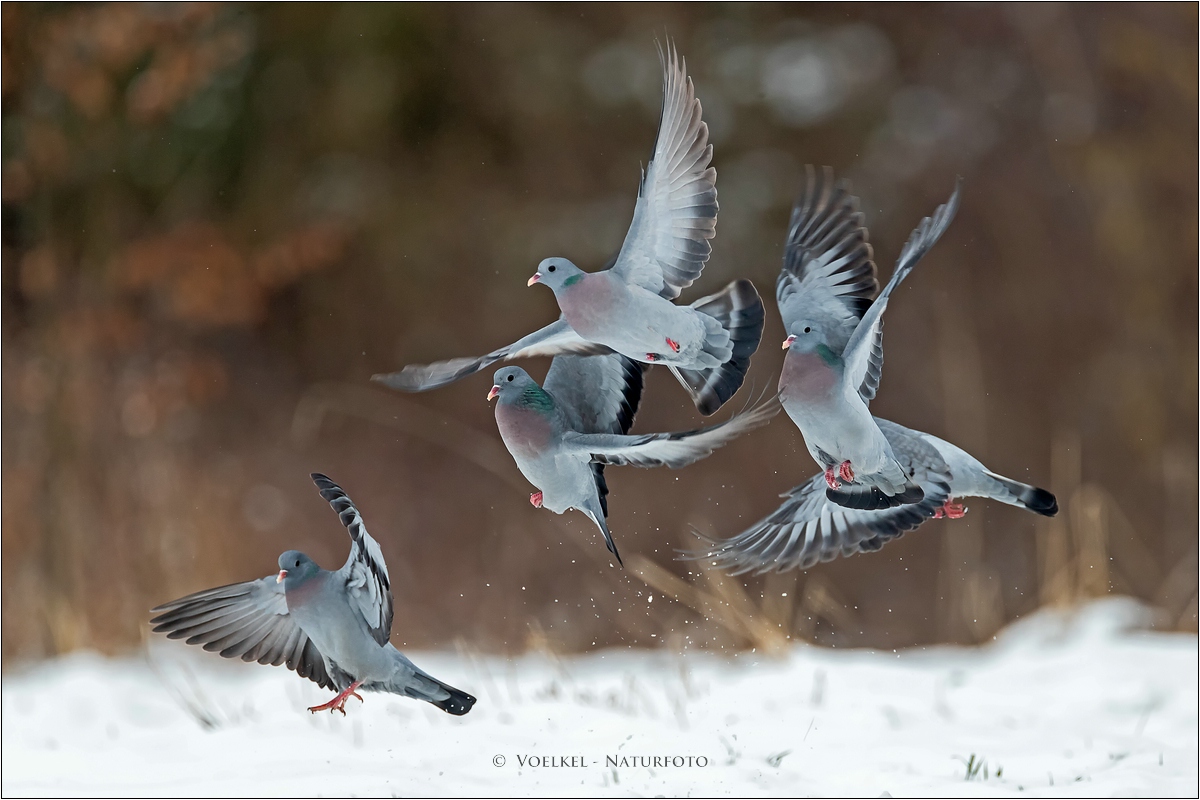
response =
{"points": [[828, 275], [367, 581], [247, 620]]}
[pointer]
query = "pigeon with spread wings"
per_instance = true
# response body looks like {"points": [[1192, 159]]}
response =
{"points": [[331, 627], [835, 341], [628, 307], [809, 528]]}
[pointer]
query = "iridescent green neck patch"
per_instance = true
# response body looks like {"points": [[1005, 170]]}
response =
{"points": [[828, 356], [571, 281]]}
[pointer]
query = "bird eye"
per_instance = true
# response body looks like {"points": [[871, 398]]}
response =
{"points": [[550, 268], [297, 563], [510, 377], [807, 329]]}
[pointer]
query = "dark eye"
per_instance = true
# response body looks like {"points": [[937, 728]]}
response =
{"points": [[550, 268], [510, 377], [807, 329], [297, 563]]}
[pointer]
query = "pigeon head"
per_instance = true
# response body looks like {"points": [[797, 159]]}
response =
{"points": [[806, 336], [514, 387], [295, 568], [557, 273]]}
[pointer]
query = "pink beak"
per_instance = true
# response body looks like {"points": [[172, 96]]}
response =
{"points": [[788, 341], [537, 277], [492, 394], [282, 574]]}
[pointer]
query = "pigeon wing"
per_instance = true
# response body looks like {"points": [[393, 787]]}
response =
{"points": [[366, 575], [670, 449], [808, 528], [676, 213], [554, 339], [596, 394], [864, 352], [247, 620], [828, 277]]}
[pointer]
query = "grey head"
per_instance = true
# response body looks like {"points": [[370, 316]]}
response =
{"points": [[295, 568], [514, 387], [557, 273], [808, 336]]}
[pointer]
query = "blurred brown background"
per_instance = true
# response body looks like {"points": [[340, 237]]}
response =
{"points": [[220, 220]]}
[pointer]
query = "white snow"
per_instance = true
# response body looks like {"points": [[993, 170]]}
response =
{"points": [[1079, 704]]}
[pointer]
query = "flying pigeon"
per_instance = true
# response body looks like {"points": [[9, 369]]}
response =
{"points": [[330, 627], [835, 341], [628, 307], [562, 436], [808, 527]]}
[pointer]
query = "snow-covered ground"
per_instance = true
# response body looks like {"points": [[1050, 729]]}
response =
{"points": [[1072, 705]]}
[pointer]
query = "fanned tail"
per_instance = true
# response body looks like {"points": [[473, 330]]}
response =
{"points": [[739, 309]]}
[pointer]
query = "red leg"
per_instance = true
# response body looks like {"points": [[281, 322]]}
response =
{"points": [[536, 499], [831, 479], [846, 471], [651, 357], [950, 510], [339, 703], [674, 345]]}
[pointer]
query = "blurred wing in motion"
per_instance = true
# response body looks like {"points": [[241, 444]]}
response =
{"points": [[249, 621], [365, 573], [676, 213], [557, 338], [828, 277], [671, 449], [809, 528], [864, 352]]}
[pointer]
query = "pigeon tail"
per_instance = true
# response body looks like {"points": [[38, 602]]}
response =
{"points": [[458, 703], [1039, 501], [739, 310], [602, 523]]}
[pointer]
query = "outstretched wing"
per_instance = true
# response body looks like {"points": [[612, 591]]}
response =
{"points": [[676, 213], [670, 449], [247, 620], [557, 338], [828, 277], [809, 528], [365, 573], [864, 352]]}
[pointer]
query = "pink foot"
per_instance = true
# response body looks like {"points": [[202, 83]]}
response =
{"points": [[652, 357], [674, 345], [846, 472], [950, 510], [831, 478], [535, 499], [339, 703]]}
